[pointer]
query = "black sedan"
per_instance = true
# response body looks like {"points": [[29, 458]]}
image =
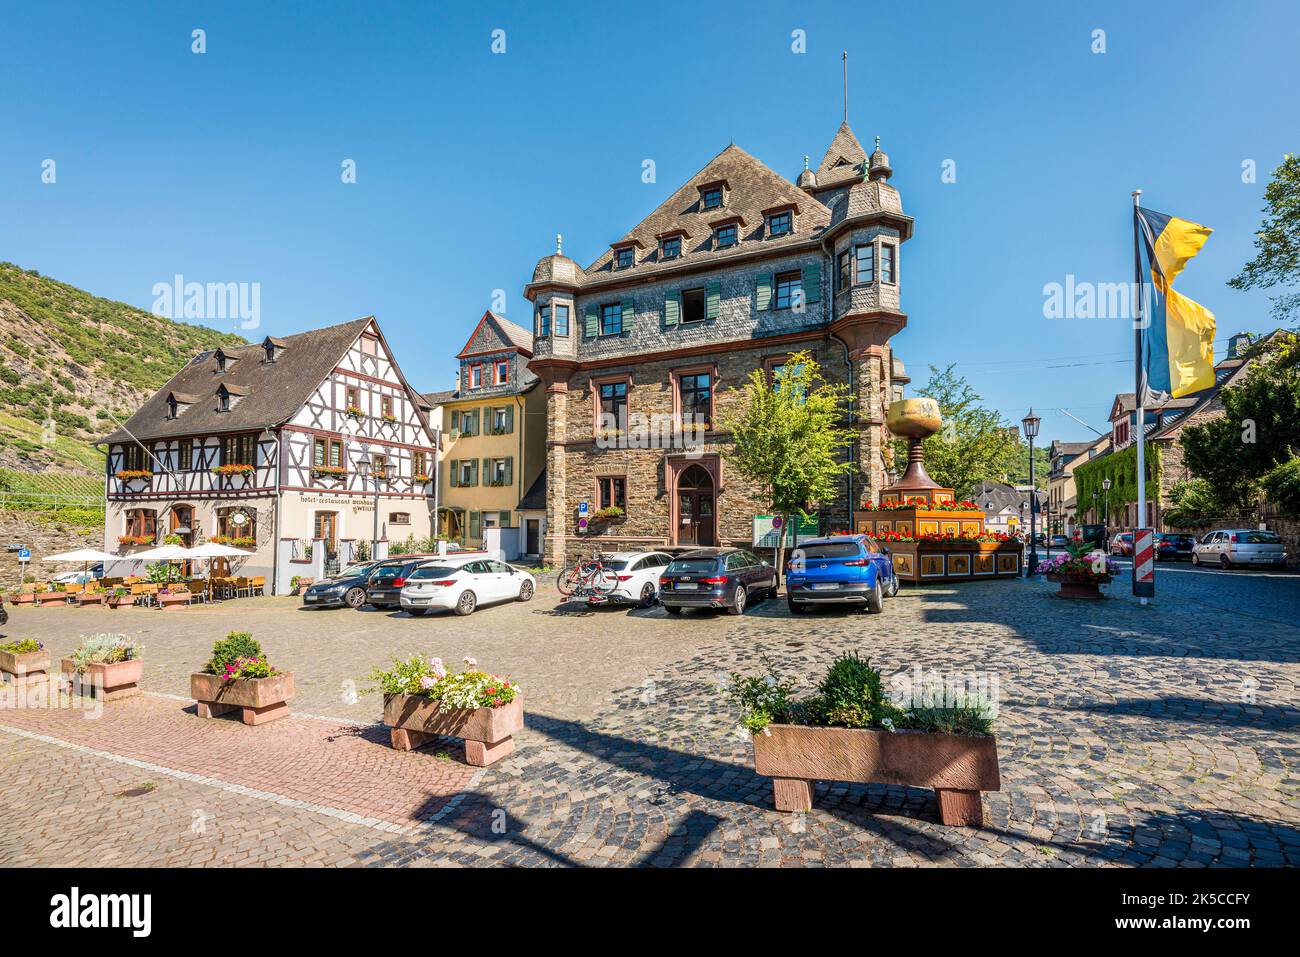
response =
{"points": [[1171, 547], [348, 587], [386, 581], [718, 578]]}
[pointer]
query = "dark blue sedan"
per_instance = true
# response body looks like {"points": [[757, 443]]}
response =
{"points": [[840, 569]]}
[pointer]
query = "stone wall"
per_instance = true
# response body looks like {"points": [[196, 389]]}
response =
{"points": [[43, 538]]}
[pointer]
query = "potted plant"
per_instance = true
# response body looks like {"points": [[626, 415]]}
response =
{"points": [[127, 475], [24, 594], [850, 731], [234, 468], [92, 594], [117, 595], [354, 412], [105, 666], [47, 595], [299, 584], [24, 660], [607, 515], [1080, 571], [135, 539], [239, 677], [423, 701], [174, 597], [329, 471]]}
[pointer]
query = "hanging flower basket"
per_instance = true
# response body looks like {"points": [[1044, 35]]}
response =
{"points": [[232, 469]]}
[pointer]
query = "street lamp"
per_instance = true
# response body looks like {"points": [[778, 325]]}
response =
{"points": [[1105, 521], [1030, 424], [367, 469]]}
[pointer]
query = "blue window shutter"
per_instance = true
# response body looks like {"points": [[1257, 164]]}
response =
{"points": [[628, 315], [812, 281], [712, 299], [592, 325], [672, 308], [763, 291]]}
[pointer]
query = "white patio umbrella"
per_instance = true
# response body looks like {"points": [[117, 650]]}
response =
{"points": [[211, 550], [163, 553], [83, 555]]}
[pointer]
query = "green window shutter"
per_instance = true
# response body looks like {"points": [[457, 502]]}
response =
{"points": [[473, 477], [629, 315], [504, 519], [510, 418], [487, 470], [672, 308], [475, 524], [763, 292], [712, 299], [510, 470], [592, 326], [455, 473], [812, 282], [488, 420]]}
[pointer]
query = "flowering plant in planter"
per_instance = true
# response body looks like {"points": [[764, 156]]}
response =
{"points": [[421, 477], [337, 471], [127, 475], [430, 679], [389, 418], [355, 412], [135, 539], [1094, 569], [105, 649], [611, 513], [238, 676], [234, 468], [23, 646], [253, 666]]}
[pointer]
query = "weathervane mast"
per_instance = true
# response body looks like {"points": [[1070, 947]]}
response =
{"points": [[845, 59]]}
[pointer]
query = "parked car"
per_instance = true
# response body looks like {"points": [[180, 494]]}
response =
{"points": [[1173, 547], [1122, 543], [715, 578], [1240, 546], [638, 578], [348, 588], [1060, 541], [852, 569], [384, 590], [94, 573], [1094, 535], [463, 584]]}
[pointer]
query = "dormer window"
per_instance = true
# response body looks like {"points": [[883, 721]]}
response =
{"points": [[221, 362], [670, 248], [223, 401], [780, 224], [543, 320], [228, 395], [726, 236], [173, 407], [624, 257], [711, 197]]}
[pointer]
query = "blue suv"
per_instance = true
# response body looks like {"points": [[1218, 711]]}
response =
{"points": [[840, 568]]}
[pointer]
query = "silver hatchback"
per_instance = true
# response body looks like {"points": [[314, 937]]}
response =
{"points": [[1229, 547]]}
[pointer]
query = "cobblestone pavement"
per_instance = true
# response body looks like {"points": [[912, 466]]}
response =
{"points": [[1164, 735]]}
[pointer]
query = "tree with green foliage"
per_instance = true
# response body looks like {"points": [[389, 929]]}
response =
{"points": [[1278, 261], [974, 444], [790, 438]]}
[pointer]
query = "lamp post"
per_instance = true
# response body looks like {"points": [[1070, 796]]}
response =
{"points": [[1105, 518], [1030, 424], [366, 469]]}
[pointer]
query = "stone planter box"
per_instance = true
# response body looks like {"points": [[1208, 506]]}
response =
{"points": [[303, 585], [259, 699], [26, 598], [117, 601], [415, 721], [51, 598], [21, 668], [1077, 589], [109, 682], [173, 602], [958, 767], [93, 598]]}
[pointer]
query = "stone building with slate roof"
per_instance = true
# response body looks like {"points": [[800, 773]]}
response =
{"points": [[278, 448], [734, 271], [494, 431]]}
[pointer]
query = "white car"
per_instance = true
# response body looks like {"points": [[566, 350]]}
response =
{"points": [[462, 584], [638, 578]]}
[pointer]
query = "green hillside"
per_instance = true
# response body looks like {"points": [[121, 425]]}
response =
{"points": [[67, 358]]}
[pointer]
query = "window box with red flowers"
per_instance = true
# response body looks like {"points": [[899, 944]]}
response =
{"points": [[234, 468], [135, 539], [421, 478], [235, 541], [133, 475], [329, 471]]}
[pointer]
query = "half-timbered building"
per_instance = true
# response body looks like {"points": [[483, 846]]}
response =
{"points": [[310, 441]]}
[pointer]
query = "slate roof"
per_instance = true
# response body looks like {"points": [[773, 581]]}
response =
{"points": [[272, 392], [438, 398], [512, 334], [1000, 496], [753, 187], [535, 498], [845, 160]]}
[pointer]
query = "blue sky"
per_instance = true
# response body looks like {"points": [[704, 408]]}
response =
{"points": [[225, 166]]}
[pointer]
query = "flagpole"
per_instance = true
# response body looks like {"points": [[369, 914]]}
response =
{"points": [[1140, 389]]}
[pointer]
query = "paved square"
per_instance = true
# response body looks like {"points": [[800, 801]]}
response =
{"points": [[1165, 735]]}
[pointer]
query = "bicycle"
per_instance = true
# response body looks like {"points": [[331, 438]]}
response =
{"points": [[589, 578]]}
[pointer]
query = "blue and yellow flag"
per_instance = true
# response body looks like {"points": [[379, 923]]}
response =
{"points": [[1178, 341]]}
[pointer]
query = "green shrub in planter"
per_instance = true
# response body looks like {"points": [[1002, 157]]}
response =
{"points": [[237, 644]]}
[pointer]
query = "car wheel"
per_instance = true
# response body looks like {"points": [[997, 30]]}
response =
{"points": [[467, 602], [737, 606], [1196, 562], [796, 607], [672, 610], [526, 591], [416, 612], [1224, 562], [647, 595], [355, 598], [891, 587], [876, 600]]}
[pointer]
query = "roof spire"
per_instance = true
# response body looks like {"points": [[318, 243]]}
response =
{"points": [[877, 143], [845, 61], [559, 245], [805, 161]]}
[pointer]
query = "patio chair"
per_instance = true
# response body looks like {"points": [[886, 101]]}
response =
{"points": [[140, 594], [242, 587], [257, 585], [198, 590]]}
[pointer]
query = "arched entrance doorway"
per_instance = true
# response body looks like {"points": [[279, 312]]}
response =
{"points": [[695, 511]]}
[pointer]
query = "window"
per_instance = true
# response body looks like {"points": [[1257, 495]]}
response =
{"points": [[613, 405], [725, 236], [386, 405], [353, 397], [865, 258], [611, 319], [270, 352], [789, 289], [328, 452], [134, 459], [500, 421], [172, 407], [223, 400], [625, 257], [842, 275], [711, 198], [561, 319], [887, 264], [780, 224], [379, 466], [468, 470], [543, 320], [185, 455], [475, 376], [670, 248], [611, 492], [237, 450], [221, 362], [469, 422], [500, 475], [795, 370], [141, 522], [419, 463], [693, 305], [501, 372], [237, 521], [399, 518], [696, 395]]}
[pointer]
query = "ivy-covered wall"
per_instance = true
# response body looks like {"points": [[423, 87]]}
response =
{"points": [[1121, 468]]}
